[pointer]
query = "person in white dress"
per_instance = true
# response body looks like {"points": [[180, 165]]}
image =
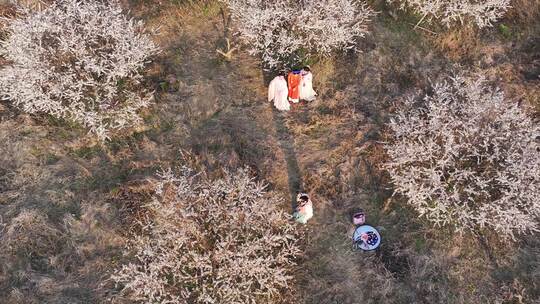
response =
{"points": [[277, 91], [304, 208], [306, 85]]}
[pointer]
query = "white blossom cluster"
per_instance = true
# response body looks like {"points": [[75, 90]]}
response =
{"points": [[284, 30], [78, 60], [468, 158], [483, 12], [211, 241]]}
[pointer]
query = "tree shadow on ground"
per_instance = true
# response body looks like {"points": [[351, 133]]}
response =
{"points": [[286, 142]]}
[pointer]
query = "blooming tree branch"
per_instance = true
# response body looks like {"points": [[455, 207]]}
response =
{"points": [[468, 158], [482, 12], [281, 31], [78, 60], [211, 241]]}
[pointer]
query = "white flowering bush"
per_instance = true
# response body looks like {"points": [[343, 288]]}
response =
{"points": [[78, 60], [468, 158], [211, 241], [281, 31], [482, 12]]}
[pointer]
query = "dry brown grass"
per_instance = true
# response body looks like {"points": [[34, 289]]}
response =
{"points": [[217, 109], [459, 44], [340, 156], [525, 12], [131, 199], [57, 240]]}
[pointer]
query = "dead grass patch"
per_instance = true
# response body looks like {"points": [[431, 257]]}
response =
{"points": [[459, 44]]}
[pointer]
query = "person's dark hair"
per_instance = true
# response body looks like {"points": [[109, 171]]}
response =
{"points": [[354, 211], [304, 197], [306, 68]]}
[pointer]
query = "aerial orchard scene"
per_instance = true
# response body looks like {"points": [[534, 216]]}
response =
{"points": [[269, 151]]}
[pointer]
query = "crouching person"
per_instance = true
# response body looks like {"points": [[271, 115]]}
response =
{"points": [[304, 208]]}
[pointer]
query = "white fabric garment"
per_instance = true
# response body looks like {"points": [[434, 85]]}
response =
{"points": [[303, 212], [306, 87], [306, 213], [277, 91]]}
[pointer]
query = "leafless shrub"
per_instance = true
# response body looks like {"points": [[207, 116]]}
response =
{"points": [[482, 12], [468, 159], [279, 30], [79, 60], [211, 241]]}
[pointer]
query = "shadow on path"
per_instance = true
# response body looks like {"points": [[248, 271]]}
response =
{"points": [[286, 142]]}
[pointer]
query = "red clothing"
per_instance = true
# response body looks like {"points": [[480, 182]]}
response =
{"points": [[293, 80]]}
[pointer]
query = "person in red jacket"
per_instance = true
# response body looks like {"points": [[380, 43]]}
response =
{"points": [[293, 80]]}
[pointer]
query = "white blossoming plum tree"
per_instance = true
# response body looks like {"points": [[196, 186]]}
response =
{"points": [[450, 12], [468, 158], [78, 60], [211, 241], [283, 31]]}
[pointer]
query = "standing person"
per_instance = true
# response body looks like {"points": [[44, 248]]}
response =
{"points": [[293, 79], [306, 85], [304, 208], [277, 91]]}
